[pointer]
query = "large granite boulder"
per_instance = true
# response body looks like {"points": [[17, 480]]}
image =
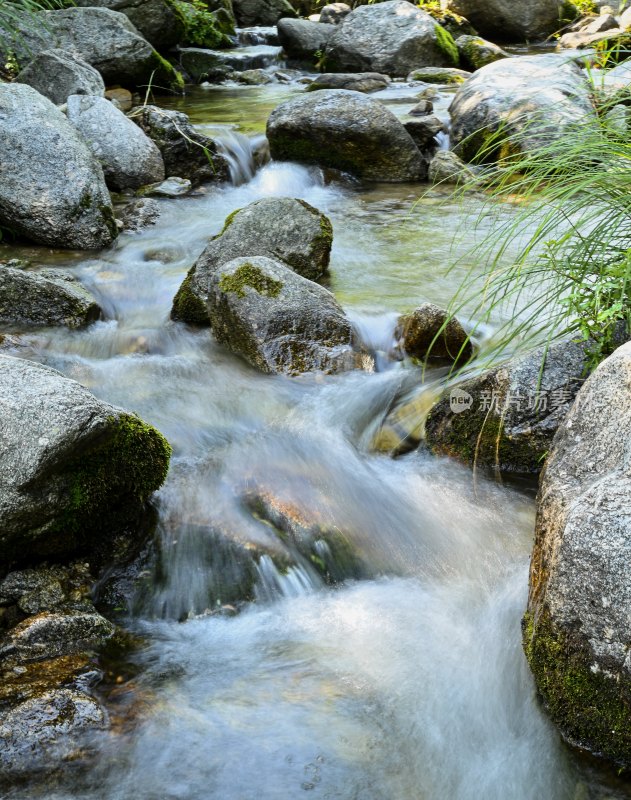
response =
{"points": [[128, 156], [508, 21], [45, 298], [576, 629], [186, 152], [392, 37], [277, 320], [160, 21], [302, 40], [52, 189], [105, 39], [57, 74], [281, 228], [505, 418], [262, 12], [531, 101], [75, 471], [347, 131]]}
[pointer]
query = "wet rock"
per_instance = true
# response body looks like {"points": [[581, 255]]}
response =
{"points": [[51, 634], [507, 21], [253, 77], [39, 149], [129, 158], [301, 39], [532, 99], [203, 65], [121, 98], [334, 13], [600, 31], [576, 627], [159, 21], [346, 131], [424, 130], [446, 167], [353, 81], [105, 39], [262, 12], [75, 472], [323, 545], [277, 320], [46, 730], [57, 74], [429, 332], [281, 228], [476, 52], [172, 187], [47, 588], [392, 38], [513, 414], [45, 298], [167, 254], [186, 153], [422, 108], [140, 214], [441, 75], [403, 427]]}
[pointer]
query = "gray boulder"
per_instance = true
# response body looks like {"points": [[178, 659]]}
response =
{"points": [[334, 13], [424, 130], [48, 297], [302, 39], [576, 629], [346, 131], [277, 320], [513, 412], [47, 729], [51, 187], [446, 167], [160, 22], [476, 52], [281, 228], [429, 332], [186, 152], [75, 472], [129, 158], [440, 75], [261, 12], [140, 214], [533, 100], [353, 81], [507, 21], [103, 38], [392, 37], [57, 74]]}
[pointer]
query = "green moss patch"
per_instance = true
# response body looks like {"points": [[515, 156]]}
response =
{"points": [[447, 45], [247, 275], [592, 710]]}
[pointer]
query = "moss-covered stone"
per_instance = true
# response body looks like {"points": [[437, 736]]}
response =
{"points": [[592, 709], [447, 45], [187, 305], [107, 484]]}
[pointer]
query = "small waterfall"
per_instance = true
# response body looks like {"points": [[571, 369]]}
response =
{"points": [[257, 35], [444, 140], [272, 583], [244, 154]]}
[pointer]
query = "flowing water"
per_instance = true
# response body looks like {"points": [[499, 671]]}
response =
{"points": [[406, 684]]}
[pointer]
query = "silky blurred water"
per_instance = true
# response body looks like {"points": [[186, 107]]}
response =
{"points": [[409, 684]]}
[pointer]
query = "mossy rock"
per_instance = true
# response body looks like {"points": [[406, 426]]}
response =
{"points": [[79, 471]]}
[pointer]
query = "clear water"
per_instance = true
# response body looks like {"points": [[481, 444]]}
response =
{"points": [[410, 684]]}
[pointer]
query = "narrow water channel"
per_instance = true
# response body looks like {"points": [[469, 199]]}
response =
{"points": [[405, 685]]}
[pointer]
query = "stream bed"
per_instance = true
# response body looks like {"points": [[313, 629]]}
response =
{"points": [[409, 684]]}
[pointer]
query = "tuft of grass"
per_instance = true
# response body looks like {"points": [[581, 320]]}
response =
{"points": [[571, 275]]}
